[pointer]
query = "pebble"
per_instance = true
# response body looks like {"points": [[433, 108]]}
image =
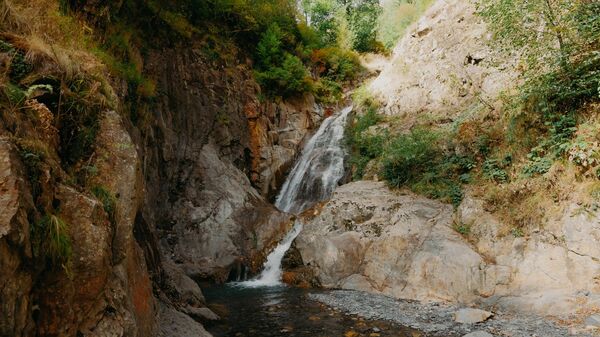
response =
{"points": [[440, 320]]}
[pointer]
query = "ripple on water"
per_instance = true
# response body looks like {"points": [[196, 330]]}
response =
{"points": [[286, 311]]}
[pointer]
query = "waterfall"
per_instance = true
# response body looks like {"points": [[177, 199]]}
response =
{"points": [[320, 167], [312, 179]]}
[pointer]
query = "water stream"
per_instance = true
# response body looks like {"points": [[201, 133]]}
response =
{"points": [[264, 306], [312, 179]]}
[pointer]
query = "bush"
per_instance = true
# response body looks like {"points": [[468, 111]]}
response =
{"points": [[288, 79], [279, 72], [493, 169], [417, 160], [336, 64], [18, 66], [364, 146], [409, 156]]}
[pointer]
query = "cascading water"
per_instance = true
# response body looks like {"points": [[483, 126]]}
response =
{"points": [[312, 179]]}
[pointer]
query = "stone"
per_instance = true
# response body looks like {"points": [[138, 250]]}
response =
{"points": [[173, 323], [470, 316], [202, 314], [478, 334], [593, 320], [370, 238]]}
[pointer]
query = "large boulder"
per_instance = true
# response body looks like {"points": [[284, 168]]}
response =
{"points": [[368, 237]]}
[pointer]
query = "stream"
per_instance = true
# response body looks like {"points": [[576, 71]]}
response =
{"points": [[287, 311], [264, 306]]}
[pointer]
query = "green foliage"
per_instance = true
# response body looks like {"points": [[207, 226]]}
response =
{"points": [[18, 66], [15, 95], [462, 228], [409, 156], [541, 157], [517, 232], [108, 201], [559, 41], [82, 101], [396, 17], [417, 160], [494, 170], [346, 24], [32, 157], [363, 22], [51, 242], [336, 64], [364, 146], [278, 71]]}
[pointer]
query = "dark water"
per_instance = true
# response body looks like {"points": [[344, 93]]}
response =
{"points": [[287, 311]]}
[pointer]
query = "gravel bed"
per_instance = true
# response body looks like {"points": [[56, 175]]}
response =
{"points": [[436, 319]]}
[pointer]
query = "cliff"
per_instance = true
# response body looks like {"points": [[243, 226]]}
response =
{"points": [[114, 207]]}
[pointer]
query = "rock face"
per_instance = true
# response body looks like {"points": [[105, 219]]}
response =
{"points": [[189, 185], [553, 271], [106, 290], [370, 238], [214, 156], [15, 280], [443, 65]]}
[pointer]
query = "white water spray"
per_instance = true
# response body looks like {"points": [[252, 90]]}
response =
{"points": [[312, 179]]}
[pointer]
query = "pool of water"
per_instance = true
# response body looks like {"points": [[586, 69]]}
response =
{"points": [[287, 311]]}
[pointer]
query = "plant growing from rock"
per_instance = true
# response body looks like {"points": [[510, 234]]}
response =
{"points": [[51, 242]]}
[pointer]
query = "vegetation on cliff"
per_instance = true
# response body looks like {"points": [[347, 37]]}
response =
{"points": [[527, 159]]}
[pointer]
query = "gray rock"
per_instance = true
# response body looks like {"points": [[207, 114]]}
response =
{"points": [[370, 238], [593, 320], [176, 324], [478, 334], [202, 314], [470, 316]]}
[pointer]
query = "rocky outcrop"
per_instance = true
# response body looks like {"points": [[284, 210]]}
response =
{"points": [[443, 66], [212, 156], [105, 289], [15, 280], [554, 270], [368, 237]]}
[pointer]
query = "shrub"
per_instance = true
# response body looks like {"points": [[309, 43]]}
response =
{"points": [[288, 79], [336, 64], [18, 67], [408, 156], [493, 169], [78, 118], [364, 147], [51, 242], [33, 155], [418, 160]]}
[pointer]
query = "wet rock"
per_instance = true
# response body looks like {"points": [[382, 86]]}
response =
{"points": [[470, 316], [173, 323], [202, 315]]}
